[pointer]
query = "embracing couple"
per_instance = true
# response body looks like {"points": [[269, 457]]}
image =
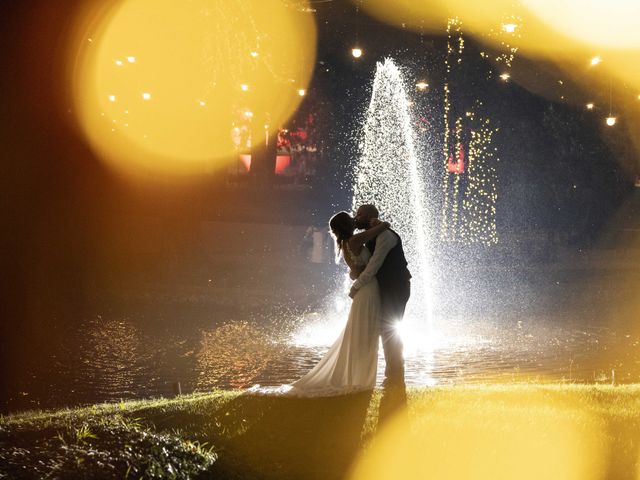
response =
{"points": [[380, 292]]}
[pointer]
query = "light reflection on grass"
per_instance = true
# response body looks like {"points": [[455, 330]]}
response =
{"points": [[303, 438]]}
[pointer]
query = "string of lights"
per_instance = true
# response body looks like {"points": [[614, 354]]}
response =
{"points": [[469, 174], [479, 203], [453, 27]]}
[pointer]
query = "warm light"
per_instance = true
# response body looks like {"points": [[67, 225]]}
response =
{"points": [[509, 27], [595, 60], [595, 23], [167, 70], [590, 106], [356, 52], [248, 114], [418, 340], [422, 85], [302, 92], [478, 207], [317, 331], [611, 121], [505, 76], [488, 432], [244, 87]]}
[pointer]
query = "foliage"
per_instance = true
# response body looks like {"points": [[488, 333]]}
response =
{"points": [[287, 438], [98, 446]]}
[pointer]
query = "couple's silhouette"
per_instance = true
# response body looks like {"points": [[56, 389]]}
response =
{"points": [[380, 292]]}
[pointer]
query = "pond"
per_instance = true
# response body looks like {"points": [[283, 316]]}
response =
{"points": [[553, 325]]}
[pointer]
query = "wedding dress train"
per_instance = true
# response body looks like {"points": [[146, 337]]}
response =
{"points": [[350, 364]]}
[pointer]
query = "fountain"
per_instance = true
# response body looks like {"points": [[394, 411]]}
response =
{"points": [[389, 175]]}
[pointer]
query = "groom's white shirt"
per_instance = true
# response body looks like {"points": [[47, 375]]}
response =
{"points": [[384, 243]]}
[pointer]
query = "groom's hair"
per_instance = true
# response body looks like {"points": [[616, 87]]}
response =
{"points": [[370, 210]]}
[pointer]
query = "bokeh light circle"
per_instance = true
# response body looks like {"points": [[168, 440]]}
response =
{"points": [[596, 23], [524, 434], [159, 85]]}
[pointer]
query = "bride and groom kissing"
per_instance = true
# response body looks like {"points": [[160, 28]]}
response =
{"points": [[379, 293]]}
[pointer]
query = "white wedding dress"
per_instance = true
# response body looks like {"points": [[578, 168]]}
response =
{"points": [[350, 364]]}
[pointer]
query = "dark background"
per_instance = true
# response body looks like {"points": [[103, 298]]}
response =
{"points": [[73, 233]]}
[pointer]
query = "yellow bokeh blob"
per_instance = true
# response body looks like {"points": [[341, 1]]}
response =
{"points": [[524, 436], [159, 85], [545, 46], [432, 16], [596, 23]]}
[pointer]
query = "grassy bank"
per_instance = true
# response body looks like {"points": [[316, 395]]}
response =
{"points": [[446, 430]]}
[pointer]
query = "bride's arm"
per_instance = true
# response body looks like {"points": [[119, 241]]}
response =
{"points": [[356, 242]]}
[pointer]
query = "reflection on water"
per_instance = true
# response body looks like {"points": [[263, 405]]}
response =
{"points": [[139, 357], [111, 354], [122, 358], [233, 355], [473, 352]]}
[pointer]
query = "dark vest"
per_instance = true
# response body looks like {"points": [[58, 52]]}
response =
{"points": [[393, 273]]}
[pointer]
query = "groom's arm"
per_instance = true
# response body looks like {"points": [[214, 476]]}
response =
{"points": [[384, 243]]}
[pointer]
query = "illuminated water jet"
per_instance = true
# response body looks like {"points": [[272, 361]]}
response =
{"points": [[389, 175]]}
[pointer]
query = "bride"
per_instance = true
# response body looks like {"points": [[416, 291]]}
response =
{"points": [[350, 364]]}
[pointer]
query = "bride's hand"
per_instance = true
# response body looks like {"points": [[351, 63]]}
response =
{"points": [[355, 273]]}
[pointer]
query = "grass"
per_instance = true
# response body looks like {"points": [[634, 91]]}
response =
{"points": [[224, 434]]}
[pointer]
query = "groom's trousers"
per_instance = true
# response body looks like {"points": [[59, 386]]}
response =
{"points": [[394, 300]]}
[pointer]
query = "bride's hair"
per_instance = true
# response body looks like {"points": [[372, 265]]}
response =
{"points": [[341, 225]]}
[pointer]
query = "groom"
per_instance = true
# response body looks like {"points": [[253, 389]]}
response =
{"points": [[389, 266]]}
